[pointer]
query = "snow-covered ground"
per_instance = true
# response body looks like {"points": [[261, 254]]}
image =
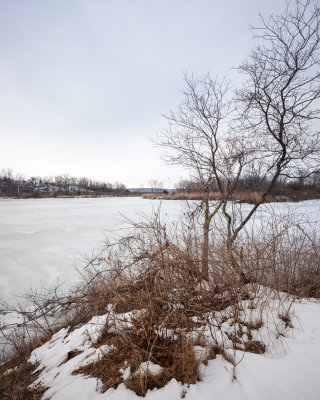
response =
{"points": [[289, 370]]}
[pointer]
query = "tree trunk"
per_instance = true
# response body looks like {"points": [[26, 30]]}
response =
{"points": [[205, 244]]}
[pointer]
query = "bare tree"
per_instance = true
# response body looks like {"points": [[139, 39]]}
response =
{"points": [[66, 181], [58, 181], [195, 139], [156, 186], [280, 96], [273, 135]]}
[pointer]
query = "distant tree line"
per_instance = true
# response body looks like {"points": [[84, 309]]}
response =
{"points": [[303, 186], [16, 185]]}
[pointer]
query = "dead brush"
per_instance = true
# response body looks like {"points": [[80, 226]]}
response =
{"points": [[215, 350], [286, 319], [158, 303], [17, 374], [169, 291], [154, 330], [181, 364], [144, 340], [254, 347], [284, 255], [14, 385]]}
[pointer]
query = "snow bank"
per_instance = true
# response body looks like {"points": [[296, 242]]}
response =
{"points": [[288, 370]]}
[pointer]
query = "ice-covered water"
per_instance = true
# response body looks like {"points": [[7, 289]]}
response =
{"points": [[41, 239]]}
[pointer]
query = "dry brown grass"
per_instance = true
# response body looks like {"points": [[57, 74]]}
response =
{"points": [[16, 375], [242, 197], [250, 197], [16, 372], [254, 347], [179, 196], [15, 384], [141, 343]]}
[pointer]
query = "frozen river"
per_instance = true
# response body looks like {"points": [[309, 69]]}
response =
{"points": [[41, 239]]}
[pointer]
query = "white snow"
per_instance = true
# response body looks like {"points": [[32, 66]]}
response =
{"points": [[289, 370], [53, 358], [292, 374], [148, 367]]}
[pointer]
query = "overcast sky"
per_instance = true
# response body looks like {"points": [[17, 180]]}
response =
{"points": [[84, 83]]}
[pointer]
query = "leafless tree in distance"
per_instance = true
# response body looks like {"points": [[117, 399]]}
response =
{"points": [[156, 186]]}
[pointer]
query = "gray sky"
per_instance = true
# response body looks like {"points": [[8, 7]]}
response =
{"points": [[84, 83]]}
